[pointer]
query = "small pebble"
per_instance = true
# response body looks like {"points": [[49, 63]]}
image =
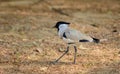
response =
{"points": [[114, 31]]}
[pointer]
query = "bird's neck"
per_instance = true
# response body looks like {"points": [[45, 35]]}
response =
{"points": [[62, 29]]}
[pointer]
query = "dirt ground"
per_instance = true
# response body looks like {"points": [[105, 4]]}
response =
{"points": [[28, 43]]}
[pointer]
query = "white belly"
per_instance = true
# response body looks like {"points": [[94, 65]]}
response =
{"points": [[68, 40]]}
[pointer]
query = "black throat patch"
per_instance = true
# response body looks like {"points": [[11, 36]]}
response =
{"points": [[64, 35]]}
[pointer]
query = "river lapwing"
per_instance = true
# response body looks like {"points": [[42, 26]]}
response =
{"points": [[71, 36]]}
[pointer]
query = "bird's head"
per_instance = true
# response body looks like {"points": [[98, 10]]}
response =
{"points": [[58, 24]]}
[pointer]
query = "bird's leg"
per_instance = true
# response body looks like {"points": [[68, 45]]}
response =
{"points": [[63, 54], [75, 54]]}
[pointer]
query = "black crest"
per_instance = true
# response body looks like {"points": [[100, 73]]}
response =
{"points": [[59, 23]]}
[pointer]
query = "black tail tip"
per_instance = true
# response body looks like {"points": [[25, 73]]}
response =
{"points": [[96, 40]]}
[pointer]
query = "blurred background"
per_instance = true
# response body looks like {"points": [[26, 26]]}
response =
{"points": [[28, 43]]}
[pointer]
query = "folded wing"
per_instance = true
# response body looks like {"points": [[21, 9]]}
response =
{"points": [[76, 36]]}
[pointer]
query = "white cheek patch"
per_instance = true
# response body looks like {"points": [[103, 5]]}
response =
{"points": [[62, 28]]}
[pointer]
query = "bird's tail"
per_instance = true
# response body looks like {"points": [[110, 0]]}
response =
{"points": [[96, 40]]}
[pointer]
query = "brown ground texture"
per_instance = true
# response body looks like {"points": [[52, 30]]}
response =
{"points": [[29, 44]]}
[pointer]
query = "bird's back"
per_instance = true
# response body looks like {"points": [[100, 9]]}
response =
{"points": [[76, 35]]}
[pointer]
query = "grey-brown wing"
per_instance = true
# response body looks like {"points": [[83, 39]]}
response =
{"points": [[76, 35]]}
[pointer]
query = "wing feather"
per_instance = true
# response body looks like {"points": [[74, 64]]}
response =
{"points": [[76, 35]]}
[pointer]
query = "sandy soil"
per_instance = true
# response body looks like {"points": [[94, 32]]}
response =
{"points": [[28, 43]]}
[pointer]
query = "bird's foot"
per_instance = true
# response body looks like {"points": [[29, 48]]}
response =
{"points": [[54, 62], [74, 62]]}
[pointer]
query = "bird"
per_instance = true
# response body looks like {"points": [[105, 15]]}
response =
{"points": [[71, 36]]}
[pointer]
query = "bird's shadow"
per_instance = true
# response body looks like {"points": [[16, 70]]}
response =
{"points": [[46, 63]]}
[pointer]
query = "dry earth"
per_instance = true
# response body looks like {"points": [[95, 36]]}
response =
{"points": [[28, 43]]}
